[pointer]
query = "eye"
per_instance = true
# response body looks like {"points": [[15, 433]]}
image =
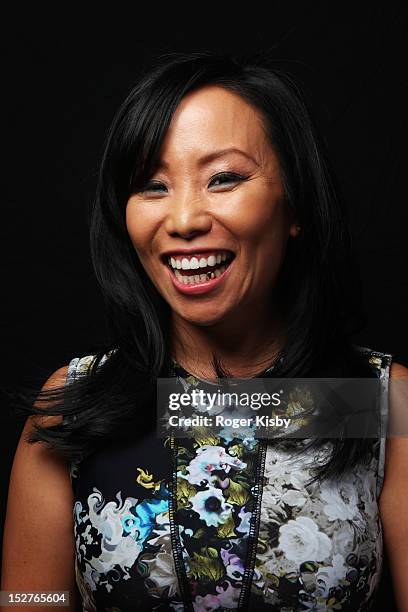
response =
{"points": [[228, 177], [151, 187]]}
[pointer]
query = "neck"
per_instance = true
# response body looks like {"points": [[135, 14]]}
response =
{"points": [[245, 346]]}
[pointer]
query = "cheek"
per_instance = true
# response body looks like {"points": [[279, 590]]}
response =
{"points": [[262, 229], [139, 225], [131, 224], [261, 222]]}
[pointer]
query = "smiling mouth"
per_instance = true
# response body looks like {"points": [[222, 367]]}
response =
{"points": [[195, 271]]}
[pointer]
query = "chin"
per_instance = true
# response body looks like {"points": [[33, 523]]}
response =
{"points": [[204, 319]]}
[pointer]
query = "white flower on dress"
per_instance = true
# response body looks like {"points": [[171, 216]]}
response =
{"points": [[211, 506], [277, 465], [275, 495], [313, 509], [301, 540], [271, 507], [330, 576], [341, 501], [299, 477], [293, 498], [162, 575], [283, 468], [208, 459], [116, 549]]}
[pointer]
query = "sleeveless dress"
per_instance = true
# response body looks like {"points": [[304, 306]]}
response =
{"points": [[225, 522]]}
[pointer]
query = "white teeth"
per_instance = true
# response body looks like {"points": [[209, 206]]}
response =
{"points": [[194, 263], [203, 277], [217, 273]]}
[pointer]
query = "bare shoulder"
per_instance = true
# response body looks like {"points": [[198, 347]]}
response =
{"points": [[393, 502], [39, 481], [396, 453], [397, 370], [55, 380]]}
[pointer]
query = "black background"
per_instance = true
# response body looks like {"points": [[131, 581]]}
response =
{"points": [[64, 77]]}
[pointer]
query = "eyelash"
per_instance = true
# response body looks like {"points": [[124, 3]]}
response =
{"points": [[236, 178]]}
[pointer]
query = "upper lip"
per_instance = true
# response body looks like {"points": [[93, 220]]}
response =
{"points": [[193, 251]]}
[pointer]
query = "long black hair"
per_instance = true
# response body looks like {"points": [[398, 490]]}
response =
{"points": [[320, 295]]}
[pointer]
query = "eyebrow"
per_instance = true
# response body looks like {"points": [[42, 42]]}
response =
{"points": [[206, 159]]}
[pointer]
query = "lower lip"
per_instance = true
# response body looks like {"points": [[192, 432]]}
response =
{"points": [[200, 288]]}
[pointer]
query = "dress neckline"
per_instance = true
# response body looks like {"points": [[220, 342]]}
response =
{"points": [[182, 372]]}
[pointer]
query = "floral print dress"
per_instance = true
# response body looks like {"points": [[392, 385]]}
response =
{"points": [[225, 522]]}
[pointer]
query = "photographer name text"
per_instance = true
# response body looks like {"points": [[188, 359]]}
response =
{"points": [[220, 420]]}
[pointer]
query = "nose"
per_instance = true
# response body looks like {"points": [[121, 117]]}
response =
{"points": [[188, 216]]}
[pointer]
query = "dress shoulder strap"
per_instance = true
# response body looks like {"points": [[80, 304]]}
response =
{"points": [[381, 363], [378, 360], [72, 370], [79, 366]]}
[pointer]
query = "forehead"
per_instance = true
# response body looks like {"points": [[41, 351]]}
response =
{"points": [[213, 118]]}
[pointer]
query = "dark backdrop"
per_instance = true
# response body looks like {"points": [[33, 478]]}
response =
{"points": [[62, 80]]}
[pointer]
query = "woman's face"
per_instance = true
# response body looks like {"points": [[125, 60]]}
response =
{"points": [[211, 225]]}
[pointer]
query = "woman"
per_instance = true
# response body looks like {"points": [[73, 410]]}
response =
{"points": [[221, 248]]}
